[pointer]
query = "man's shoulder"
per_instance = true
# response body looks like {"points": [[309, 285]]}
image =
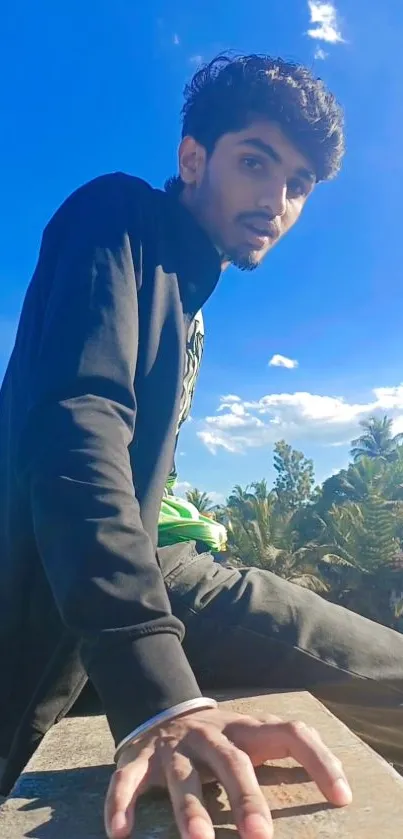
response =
{"points": [[113, 194], [114, 183]]}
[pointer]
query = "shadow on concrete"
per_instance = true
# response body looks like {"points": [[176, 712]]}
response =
{"points": [[71, 801]]}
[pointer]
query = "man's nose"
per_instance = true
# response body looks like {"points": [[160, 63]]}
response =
{"points": [[274, 201]]}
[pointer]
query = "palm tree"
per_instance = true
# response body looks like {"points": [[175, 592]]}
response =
{"points": [[240, 501], [300, 567], [200, 500], [259, 536], [353, 483], [360, 562], [260, 490], [393, 478], [377, 440]]}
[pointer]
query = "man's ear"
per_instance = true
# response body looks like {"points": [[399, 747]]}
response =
{"points": [[192, 161]]}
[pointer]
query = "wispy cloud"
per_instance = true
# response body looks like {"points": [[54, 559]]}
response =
{"points": [[168, 37], [283, 361], [196, 60], [320, 54], [181, 488], [240, 425], [325, 22], [231, 397]]}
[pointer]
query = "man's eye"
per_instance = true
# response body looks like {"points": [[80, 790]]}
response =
{"points": [[252, 163], [296, 188]]}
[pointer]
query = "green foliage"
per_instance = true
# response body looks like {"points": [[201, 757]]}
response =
{"points": [[354, 483], [343, 540], [200, 500], [376, 440], [295, 477], [363, 537], [260, 535]]}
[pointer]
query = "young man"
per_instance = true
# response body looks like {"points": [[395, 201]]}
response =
{"points": [[89, 412]]}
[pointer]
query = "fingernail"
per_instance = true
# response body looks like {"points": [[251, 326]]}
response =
{"points": [[118, 822], [256, 826], [342, 792]]}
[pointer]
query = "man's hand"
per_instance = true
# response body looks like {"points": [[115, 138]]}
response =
{"points": [[225, 746]]}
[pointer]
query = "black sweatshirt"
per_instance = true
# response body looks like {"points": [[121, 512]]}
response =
{"points": [[89, 410]]}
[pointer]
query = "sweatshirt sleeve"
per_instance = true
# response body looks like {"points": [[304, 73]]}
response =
{"points": [[99, 560]]}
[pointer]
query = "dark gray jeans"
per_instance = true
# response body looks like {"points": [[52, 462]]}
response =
{"points": [[252, 629]]}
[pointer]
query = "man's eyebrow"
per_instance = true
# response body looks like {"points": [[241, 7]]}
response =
{"points": [[268, 150]]}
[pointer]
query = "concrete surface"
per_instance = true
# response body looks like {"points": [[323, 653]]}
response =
{"points": [[60, 793]]}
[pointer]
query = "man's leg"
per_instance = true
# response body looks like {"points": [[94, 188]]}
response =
{"points": [[253, 629]]}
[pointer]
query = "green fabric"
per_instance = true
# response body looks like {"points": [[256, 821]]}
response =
{"points": [[180, 521]]}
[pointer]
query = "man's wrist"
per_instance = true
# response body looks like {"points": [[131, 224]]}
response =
{"points": [[137, 679], [201, 703]]}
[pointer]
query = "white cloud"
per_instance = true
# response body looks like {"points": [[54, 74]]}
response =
{"points": [[325, 21], [181, 488], [214, 440], [196, 59], [397, 427], [321, 419], [320, 54], [176, 40], [230, 420], [283, 361]]}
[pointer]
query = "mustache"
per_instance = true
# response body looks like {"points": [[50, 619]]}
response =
{"points": [[263, 222]]}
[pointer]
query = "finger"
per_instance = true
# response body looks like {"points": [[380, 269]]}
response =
{"points": [[124, 789], [234, 770], [254, 736], [305, 745], [185, 790], [275, 740]]}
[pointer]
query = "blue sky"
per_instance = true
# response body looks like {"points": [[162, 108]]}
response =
{"points": [[95, 87]]}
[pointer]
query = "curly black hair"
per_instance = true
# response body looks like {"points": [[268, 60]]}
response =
{"points": [[229, 92]]}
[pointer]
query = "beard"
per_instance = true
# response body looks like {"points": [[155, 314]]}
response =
{"points": [[207, 197], [244, 260]]}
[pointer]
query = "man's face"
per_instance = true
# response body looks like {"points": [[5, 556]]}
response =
{"points": [[249, 192]]}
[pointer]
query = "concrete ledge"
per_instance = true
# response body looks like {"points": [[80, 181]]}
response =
{"points": [[60, 793]]}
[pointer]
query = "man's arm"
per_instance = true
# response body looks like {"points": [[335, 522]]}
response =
{"points": [[99, 561]]}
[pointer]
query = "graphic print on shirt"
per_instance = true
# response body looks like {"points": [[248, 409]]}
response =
{"points": [[194, 353]]}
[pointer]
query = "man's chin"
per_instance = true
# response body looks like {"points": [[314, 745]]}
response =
{"points": [[246, 260], [247, 264]]}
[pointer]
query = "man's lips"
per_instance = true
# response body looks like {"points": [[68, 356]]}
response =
{"points": [[259, 235]]}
